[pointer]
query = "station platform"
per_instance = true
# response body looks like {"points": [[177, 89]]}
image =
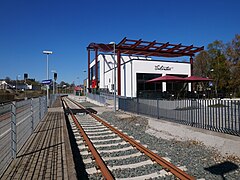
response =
{"points": [[47, 153]]}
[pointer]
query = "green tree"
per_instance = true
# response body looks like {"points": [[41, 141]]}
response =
{"points": [[7, 79], [234, 82], [221, 62], [220, 67], [233, 55], [220, 73], [63, 83], [215, 49], [201, 64], [233, 50]]}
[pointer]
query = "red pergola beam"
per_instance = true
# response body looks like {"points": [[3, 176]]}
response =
{"points": [[89, 69], [145, 48], [174, 48], [150, 45], [186, 49], [163, 46], [136, 44], [96, 67], [122, 41], [119, 71]]}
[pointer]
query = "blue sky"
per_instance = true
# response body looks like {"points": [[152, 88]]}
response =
{"points": [[66, 27]]}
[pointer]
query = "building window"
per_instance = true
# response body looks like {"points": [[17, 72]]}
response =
{"points": [[147, 90]]}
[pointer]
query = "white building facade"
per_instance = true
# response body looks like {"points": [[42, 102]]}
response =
{"points": [[135, 71]]}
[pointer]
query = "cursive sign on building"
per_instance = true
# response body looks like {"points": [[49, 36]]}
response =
{"points": [[163, 68]]}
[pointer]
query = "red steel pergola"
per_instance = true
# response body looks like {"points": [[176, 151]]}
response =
{"points": [[139, 47]]}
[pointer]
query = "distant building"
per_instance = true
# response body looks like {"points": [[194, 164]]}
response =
{"points": [[3, 84], [78, 90], [22, 87]]}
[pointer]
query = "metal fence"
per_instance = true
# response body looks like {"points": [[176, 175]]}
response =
{"points": [[53, 98], [97, 98], [216, 115], [107, 95], [17, 122]]}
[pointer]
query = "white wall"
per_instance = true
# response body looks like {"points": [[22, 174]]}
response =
{"points": [[140, 66], [130, 66]]}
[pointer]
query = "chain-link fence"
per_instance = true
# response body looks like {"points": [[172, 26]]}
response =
{"points": [[17, 122]]}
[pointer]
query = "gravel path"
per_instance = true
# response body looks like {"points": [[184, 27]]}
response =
{"points": [[194, 156]]}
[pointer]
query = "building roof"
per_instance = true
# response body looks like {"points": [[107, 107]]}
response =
{"points": [[3, 82], [78, 88]]}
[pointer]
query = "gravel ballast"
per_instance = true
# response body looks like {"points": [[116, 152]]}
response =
{"points": [[197, 158]]}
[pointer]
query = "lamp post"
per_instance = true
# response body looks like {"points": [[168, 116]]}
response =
{"points": [[215, 84], [18, 76], [78, 82], [114, 93], [85, 83], [47, 53], [78, 85], [54, 80]]}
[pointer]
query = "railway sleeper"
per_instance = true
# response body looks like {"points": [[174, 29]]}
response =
{"points": [[80, 111], [93, 111]]}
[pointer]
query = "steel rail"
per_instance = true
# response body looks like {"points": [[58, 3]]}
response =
{"points": [[99, 161], [154, 157]]}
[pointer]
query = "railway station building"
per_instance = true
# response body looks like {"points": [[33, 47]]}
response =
{"points": [[135, 62]]}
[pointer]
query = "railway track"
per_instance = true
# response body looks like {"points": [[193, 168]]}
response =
{"points": [[110, 154]]}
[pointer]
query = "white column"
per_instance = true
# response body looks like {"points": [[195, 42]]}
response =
{"points": [[164, 84]]}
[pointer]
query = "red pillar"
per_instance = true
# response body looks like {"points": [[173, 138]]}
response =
{"points": [[88, 69], [119, 72], [191, 64], [96, 67], [191, 73]]}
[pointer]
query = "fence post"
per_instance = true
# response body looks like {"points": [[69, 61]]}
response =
{"points": [[191, 112], [137, 105], [125, 103], [13, 130], [40, 116], [238, 116], [32, 117], [45, 106], [158, 108]]}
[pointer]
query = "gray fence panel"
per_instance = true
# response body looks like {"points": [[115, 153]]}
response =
{"points": [[17, 122], [96, 97], [52, 99], [5, 135], [107, 96], [212, 114], [35, 109], [23, 122], [148, 107]]}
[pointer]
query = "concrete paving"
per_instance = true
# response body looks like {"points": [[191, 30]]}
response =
{"points": [[224, 143]]}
